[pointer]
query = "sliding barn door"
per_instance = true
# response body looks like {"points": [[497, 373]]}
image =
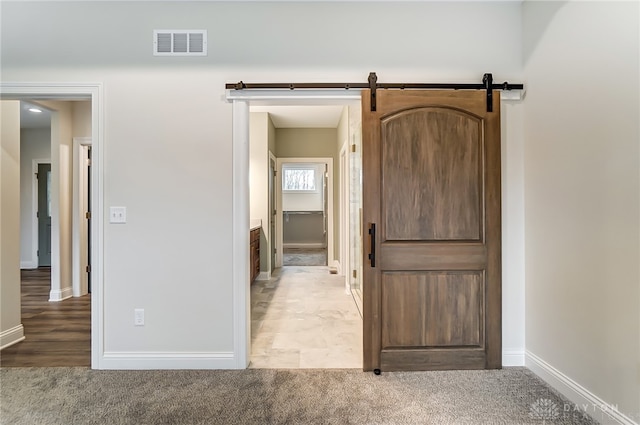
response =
{"points": [[432, 275]]}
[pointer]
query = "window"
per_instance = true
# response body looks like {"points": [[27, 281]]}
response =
{"points": [[299, 179]]}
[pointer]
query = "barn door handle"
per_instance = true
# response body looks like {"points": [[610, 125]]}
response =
{"points": [[372, 250]]}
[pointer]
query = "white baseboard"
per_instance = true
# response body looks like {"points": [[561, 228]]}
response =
{"points": [[11, 336], [582, 399], [338, 267], [158, 360], [28, 265], [304, 245], [263, 276], [60, 294], [512, 358]]}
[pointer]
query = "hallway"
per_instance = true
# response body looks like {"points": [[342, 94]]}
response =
{"points": [[57, 333], [302, 318]]}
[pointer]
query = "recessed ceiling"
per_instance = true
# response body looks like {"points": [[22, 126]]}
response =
{"points": [[298, 116], [30, 119]]}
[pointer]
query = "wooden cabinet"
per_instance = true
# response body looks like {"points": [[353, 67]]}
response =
{"points": [[254, 261]]}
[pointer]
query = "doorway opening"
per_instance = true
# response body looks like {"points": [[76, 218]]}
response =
{"points": [[56, 313], [48, 298], [305, 212], [301, 316]]}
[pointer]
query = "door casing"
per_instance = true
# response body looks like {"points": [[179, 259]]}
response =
{"points": [[345, 248], [94, 92], [35, 234], [44, 185], [79, 237], [273, 227], [241, 101]]}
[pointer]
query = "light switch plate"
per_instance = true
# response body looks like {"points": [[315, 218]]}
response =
{"points": [[138, 317], [117, 214]]}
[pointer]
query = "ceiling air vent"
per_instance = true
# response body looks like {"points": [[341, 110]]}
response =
{"points": [[180, 43]]}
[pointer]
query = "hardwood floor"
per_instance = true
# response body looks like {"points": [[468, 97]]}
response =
{"points": [[57, 333]]}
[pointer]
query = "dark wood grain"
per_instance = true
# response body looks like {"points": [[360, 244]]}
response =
{"points": [[432, 256], [254, 253], [431, 183], [57, 333], [371, 336], [432, 309], [431, 175], [432, 359], [493, 207]]}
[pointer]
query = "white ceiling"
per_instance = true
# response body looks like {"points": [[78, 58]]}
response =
{"points": [[30, 119], [298, 116]]}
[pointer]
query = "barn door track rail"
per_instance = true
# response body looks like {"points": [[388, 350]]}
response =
{"points": [[372, 84]]}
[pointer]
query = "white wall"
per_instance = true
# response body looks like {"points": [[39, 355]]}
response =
{"points": [[582, 199], [167, 130], [356, 234], [35, 144], [81, 117], [343, 129], [11, 330], [61, 198], [513, 292], [342, 139], [259, 181]]}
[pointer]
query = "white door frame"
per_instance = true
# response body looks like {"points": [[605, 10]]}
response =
{"points": [[35, 229], [94, 93], [345, 195], [279, 220], [241, 100], [273, 201], [79, 236]]}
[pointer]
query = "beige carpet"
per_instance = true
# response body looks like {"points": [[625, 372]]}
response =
{"points": [[69, 396]]}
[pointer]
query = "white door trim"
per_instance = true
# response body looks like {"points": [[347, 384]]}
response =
{"points": [[79, 235], [272, 206], [94, 92], [345, 246], [241, 100], [35, 229], [240, 244]]}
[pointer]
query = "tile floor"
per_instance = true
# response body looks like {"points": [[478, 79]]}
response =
{"points": [[304, 256], [302, 318]]}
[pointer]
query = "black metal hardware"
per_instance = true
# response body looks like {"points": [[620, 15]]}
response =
{"points": [[377, 371], [372, 252], [487, 79], [373, 85]]}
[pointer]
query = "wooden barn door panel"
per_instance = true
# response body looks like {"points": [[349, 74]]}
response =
{"points": [[431, 181]]}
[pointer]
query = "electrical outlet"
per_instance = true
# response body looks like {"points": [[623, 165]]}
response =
{"points": [[138, 317]]}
